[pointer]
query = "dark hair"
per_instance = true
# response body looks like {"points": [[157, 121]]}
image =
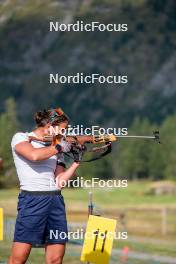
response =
{"points": [[42, 118]]}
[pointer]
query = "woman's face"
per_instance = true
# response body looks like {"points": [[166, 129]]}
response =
{"points": [[46, 129], [63, 125]]}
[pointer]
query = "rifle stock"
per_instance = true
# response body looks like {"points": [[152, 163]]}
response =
{"points": [[82, 139]]}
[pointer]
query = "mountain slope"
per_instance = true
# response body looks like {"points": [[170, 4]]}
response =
{"points": [[29, 52]]}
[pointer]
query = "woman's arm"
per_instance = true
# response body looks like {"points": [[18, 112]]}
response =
{"points": [[26, 150], [62, 175]]}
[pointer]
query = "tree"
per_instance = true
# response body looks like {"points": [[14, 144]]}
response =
{"points": [[101, 168], [156, 162], [133, 154], [169, 147], [8, 126]]}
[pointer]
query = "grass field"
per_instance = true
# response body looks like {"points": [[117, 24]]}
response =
{"points": [[72, 256], [135, 196], [132, 196]]}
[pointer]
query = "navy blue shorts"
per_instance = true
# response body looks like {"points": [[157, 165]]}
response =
{"points": [[41, 219]]}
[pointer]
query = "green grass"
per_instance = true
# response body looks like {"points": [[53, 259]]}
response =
{"points": [[132, 196], [73, 253], [37, 254]]}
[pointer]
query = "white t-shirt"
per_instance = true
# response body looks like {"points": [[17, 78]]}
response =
{"points": [[35, 176]]}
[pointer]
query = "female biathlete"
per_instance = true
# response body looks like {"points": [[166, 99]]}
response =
{"points": [[41, 215]]}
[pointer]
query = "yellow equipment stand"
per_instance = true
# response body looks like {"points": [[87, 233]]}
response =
{"points": [[1, 224], [98, 241]]}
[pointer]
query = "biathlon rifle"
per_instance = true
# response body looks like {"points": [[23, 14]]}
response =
{"points": [[79, 143]]}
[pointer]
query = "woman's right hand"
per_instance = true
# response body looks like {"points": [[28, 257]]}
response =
{"points": [[66, 147], [76, 164]]}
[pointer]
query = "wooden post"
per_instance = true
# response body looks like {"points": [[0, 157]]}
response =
{"points": [[90, 207], [164, 221]]}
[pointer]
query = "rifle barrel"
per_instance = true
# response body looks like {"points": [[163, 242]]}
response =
{"points": [[145, 137]]}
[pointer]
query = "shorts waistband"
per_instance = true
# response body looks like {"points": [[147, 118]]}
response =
{"points": [[41, 192]]}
